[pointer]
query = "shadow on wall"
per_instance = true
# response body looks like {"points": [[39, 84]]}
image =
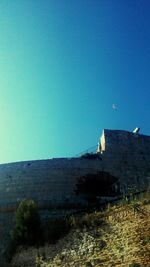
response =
{"points": [[93, 186]]}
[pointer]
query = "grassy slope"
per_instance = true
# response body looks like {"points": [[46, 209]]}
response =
{"points": [[117, 237]]}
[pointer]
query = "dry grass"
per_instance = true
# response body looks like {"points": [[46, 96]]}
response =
{"points": [[118, 237]]}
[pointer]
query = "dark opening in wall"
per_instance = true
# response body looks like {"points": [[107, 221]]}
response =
{"points": [[101, 184]]}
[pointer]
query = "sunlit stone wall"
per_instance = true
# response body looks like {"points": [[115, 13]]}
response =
{"points": [[127, 156], [52, 183]]}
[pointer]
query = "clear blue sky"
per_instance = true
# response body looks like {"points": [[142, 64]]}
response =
{"points": [[63, 64]]}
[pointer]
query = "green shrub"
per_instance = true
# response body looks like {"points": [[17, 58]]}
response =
{"points": [[135, 265], [146, 240], [27, 230]]}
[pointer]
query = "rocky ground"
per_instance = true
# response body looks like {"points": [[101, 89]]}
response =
{"points": [[117, 237]]}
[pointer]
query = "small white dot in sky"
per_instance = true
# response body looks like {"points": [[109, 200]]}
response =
{"points": [[114, 106]]}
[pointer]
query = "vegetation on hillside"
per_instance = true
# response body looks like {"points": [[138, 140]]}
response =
{"points": [[27, 230], [116, 237]]}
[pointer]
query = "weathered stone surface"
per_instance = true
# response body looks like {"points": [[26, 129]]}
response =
{"points": [[52, 183]]}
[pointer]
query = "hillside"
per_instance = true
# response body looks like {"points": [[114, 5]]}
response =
{"points": [[118, 236]]}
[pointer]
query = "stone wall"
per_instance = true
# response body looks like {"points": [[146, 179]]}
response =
{"points": [[52, 183], [49, 182], [127, 156]]}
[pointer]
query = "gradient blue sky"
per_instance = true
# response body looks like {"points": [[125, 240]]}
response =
{"points": [[63, 63]]}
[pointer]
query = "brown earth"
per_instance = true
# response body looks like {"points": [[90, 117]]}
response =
{"points": [[117, 237]]}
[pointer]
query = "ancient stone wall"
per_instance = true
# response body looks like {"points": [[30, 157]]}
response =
{"points": [[52, 183], [127, 156], [49, 182]]}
